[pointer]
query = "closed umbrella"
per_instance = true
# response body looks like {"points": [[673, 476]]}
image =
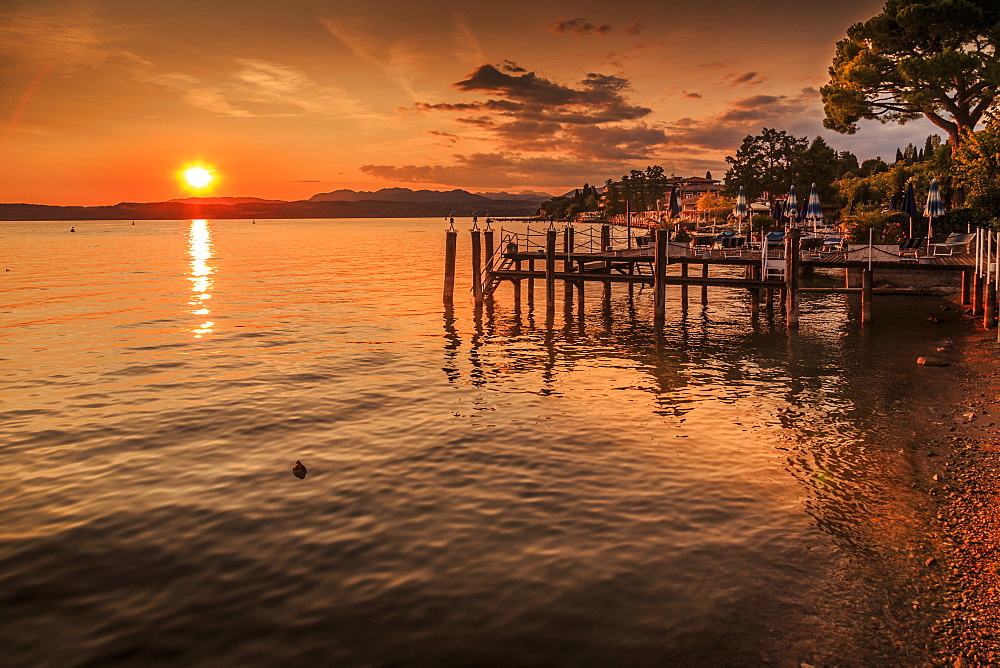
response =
{"points": [[910, 205], [814, 211], [792, 206], [675, 203], [934, 208], [778, 211]]}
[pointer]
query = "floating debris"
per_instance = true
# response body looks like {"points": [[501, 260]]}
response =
{"points": [[935, 319], [299, 470], [932, 361]]}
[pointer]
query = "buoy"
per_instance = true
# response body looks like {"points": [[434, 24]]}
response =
{"points": [[72, 229], [299, 470]]}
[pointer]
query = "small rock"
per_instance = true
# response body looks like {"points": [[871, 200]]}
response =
{"points": [[930, 562], [934, 319], [932, 361], [299, 470]]}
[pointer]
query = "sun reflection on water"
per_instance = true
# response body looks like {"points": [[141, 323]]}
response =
{"points": [[200, 249]]}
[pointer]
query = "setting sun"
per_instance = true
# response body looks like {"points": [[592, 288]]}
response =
{"points": [[198, 177]]}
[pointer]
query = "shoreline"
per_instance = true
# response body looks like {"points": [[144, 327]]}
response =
{"points": [[966, 492]]}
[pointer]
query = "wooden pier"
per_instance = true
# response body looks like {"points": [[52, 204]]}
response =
{"points": [[576, 257]]}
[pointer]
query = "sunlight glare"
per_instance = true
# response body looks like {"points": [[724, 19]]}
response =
{"points": [[198, 177]]}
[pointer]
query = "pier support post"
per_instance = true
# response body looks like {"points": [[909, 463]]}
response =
{"points": [[704, 288], [531, 285], [753, 272], [580, 297], [990, 304], [477, 268], [488, 248], [568, 268], [979, 286], [450, 252], [966, 288], [792, 278], [866, 295], [631, 286], [605, 247], [516, 285], [684, 287], [550, 272], [659, 277]]}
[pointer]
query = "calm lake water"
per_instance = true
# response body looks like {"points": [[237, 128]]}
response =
{"points": [[480, 490]]}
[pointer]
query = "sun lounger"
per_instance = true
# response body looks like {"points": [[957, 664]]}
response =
{"points": [[955, 242], [909, 249]]}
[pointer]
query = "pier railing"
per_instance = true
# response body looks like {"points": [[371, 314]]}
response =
{"points": [[586, 238]]}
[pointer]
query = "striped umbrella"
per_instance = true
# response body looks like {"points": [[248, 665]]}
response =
{"points": [[932, 209], [792, 205], [814, 211], [675, 203], [741, 205]]}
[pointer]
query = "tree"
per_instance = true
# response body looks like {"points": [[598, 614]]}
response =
{"points": [[764, 163], [936, 58], [977, 168]]}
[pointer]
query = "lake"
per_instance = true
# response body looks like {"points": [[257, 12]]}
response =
{"points": [[481, 488]]}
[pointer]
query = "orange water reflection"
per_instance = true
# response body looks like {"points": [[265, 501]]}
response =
{"points": [[200, 250]]}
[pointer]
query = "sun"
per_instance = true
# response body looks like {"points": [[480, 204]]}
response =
{"points": [[198, 177]]}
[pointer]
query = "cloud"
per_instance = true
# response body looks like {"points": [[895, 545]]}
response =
{"points": [[398, 60], [259, 88], [693, 96], [579, 26], [634, 27], [725, 130], [488, 170], [745, 79], [466, 43]]}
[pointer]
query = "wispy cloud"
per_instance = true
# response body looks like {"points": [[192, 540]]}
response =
{"points": [[398, 60], [580, 26], [258, 88], [467, 47]]}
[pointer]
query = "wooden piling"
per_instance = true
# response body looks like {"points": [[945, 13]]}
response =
{"points": [[605, 247], [450, 253], [990, 304], [488, 252], [567, 268], [754, 274], [659, 276], [531, 285], [966, 288], [704, 288], [866, 295], [477, 268], [550, 272], [792, 278], [631, 286], [516, 286], [580, 298], [979, 287], [684, 288]]}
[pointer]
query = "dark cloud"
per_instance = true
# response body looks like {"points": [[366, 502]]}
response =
{"points": [[725, 131], [488, 170], [693, 96], [447, 136], [634, 27], [511, 66], [745, 79], [579, 27]]}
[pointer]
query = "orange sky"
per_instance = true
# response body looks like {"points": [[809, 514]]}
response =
{"points": [[105, 101]]}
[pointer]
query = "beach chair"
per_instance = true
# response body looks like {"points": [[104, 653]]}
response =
{"points": [[833, 245], [733, 246], [702, 243], [956, 241], [775, 241], [909, 249]]}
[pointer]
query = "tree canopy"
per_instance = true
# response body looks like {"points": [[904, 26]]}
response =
{"points": [[976, 167], [932, 58], [773, 160]]}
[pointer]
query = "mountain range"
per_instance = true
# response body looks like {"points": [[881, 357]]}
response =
{"points": [[384, 203], [407, 195]]}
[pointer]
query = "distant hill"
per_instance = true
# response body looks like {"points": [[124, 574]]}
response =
{"points": [[398, 195], [184, 209], [407, 195], [225, 200]]}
